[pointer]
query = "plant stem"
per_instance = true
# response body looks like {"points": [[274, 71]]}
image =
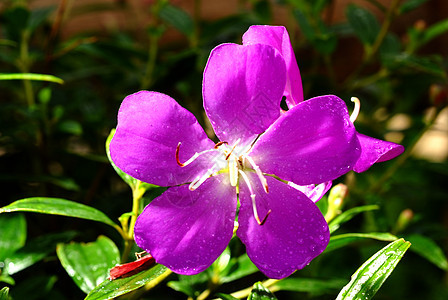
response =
{"points": [[137, 195], [23, 65]]}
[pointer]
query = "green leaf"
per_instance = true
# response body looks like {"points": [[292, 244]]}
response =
{"points": [[12, 234], [4, 292], [57, 206], [110, 289], [239, 268], [30, 76], [182, 287], [70, 126], [342, 240], [88, 264], [320, 286], [428, 249], [178, 18], [348, 215], [35, 250], [260, 292], [410, 5], [225, 296], [364, 23], [368, 279], [434, 31]]}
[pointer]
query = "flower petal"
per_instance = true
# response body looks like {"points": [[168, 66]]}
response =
{"points": [[242, 90], [278, 37], [186, 231], [313, 191], [311, 143], [295, 232], [150, 126], [375, 150]]}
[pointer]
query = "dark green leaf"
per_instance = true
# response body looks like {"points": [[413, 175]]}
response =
{"points": [[70, 126], [89, 264], [178, 18], [260, 292], [348, 215], [38, 16], [342, 240], [239, 268], [410, 5], [4, 292], [405, 61], [428, 249], [308, 285], [182, 287], [35, 250], [110, 289], [35, 288], [56, 206], [364, 23], [12, 234], [368, 279]]}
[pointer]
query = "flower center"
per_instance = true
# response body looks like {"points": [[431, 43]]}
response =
{"points": [[235, 161]]}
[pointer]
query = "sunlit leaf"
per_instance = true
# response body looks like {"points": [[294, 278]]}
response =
{"points": [[4, 292], [348, 215], [368, 279], [89, 263], [57, 206], [110, 289], [260, 292], [428, 249], [12, 234], [341, 240], [30, 76]]}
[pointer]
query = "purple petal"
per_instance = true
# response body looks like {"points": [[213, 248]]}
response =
{"points": [[278, 37], [242, 89], [313, 191], [186, 231], [295, 232], [150, 126], [312, 143], [374, 150]]}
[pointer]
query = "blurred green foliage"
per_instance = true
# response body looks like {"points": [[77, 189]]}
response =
{"points": [[53, 129]]}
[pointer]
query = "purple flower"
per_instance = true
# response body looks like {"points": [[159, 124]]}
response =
{"points": [[373, 150], [268, 169]]}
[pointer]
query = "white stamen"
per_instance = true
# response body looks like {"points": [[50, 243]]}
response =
{"points": [[260, 175], [233, 171], [200, 180], [194, 157], [252, 197], [356, 109]]}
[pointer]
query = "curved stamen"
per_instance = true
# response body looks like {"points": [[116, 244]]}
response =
{"points": [[219, 144], [356, 109], [260, 175], [193, 158], [233, 148], [252, 197]]}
